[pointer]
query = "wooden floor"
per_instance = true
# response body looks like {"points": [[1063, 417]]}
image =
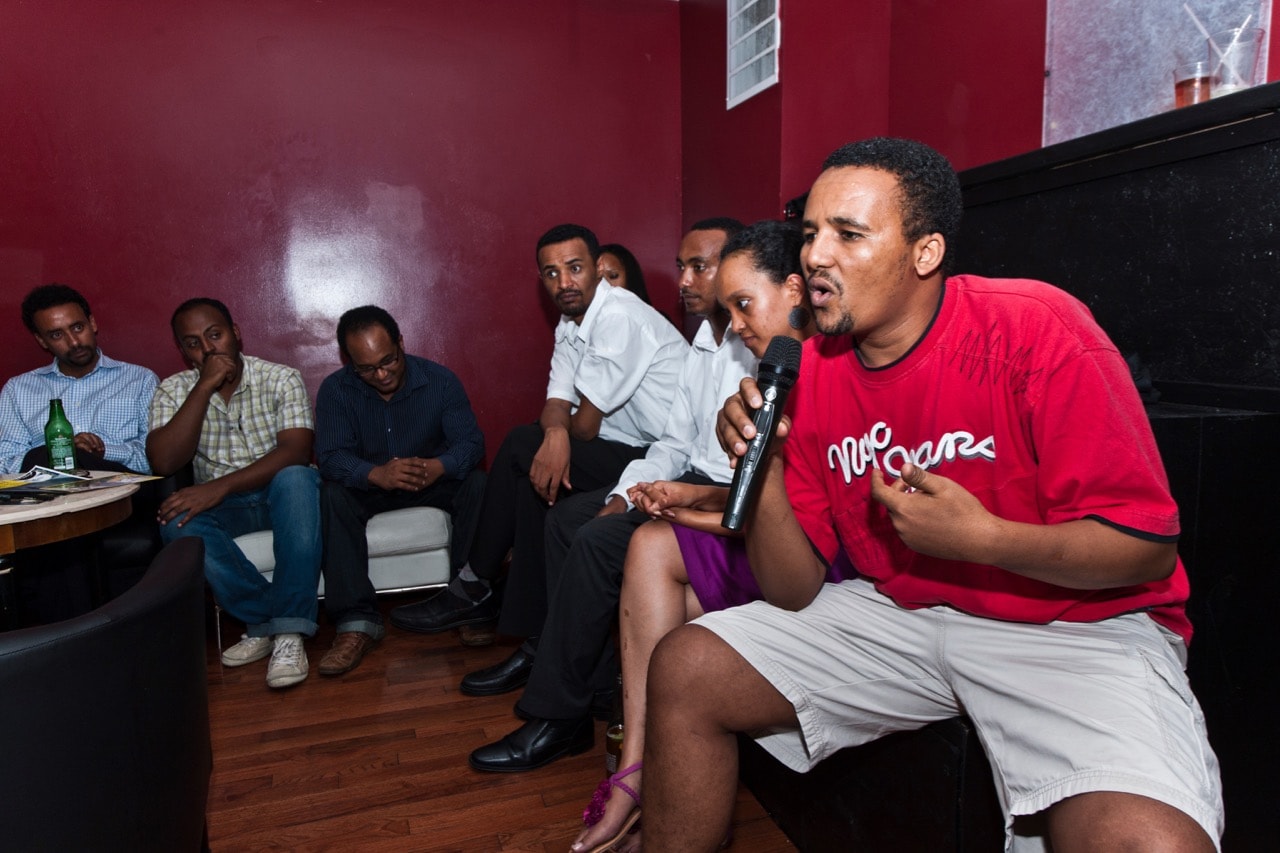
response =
{"points": [[377, 760]]}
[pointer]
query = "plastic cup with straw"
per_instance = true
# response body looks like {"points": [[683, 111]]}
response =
{"points": [[1234, 80]]}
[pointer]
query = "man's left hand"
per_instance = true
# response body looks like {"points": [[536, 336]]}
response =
{"points": [[409, 475], [935, 515], [186, 504], [87, 442], [613, 506]]}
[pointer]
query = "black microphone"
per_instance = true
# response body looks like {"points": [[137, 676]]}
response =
{"points": [[777, 373]]}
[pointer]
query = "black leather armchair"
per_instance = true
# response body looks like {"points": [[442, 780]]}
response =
{"points": [[105, 721]]}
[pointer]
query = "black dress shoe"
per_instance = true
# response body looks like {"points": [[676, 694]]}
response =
{"points": [[534, 744], [501, 677], [443, 611]]}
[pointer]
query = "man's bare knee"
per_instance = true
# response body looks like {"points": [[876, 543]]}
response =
{"points": [[684, 664], [693, 668]]}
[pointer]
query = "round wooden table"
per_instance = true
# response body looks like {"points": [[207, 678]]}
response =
{"points": [[65, 517]]}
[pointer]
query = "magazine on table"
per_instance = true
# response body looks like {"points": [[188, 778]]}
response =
{"points": [[46, 481]]}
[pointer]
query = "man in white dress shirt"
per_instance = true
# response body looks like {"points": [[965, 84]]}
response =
{"points": [[571, 667], [614, 372]]}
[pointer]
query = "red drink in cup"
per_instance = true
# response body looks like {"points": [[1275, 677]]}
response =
{"points": [[1191, 83]]}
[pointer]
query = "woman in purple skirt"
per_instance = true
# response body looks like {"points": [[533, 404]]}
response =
{"points": [[685, 563]]}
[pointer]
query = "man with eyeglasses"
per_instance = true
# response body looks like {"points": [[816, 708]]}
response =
{"points": [[392, 431]]}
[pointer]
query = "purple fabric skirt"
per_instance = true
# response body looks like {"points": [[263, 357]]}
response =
{"points": [[718, 569], [720, 574]]}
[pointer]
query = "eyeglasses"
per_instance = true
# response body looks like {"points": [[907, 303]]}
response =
{"points": [[370, 369]]}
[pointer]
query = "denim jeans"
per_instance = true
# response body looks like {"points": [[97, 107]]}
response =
{"points": [[290, 505]]}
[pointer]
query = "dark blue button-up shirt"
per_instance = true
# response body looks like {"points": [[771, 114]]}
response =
{"points": [[429, 417]]}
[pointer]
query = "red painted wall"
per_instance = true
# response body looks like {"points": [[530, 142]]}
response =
{"points": [[732, 159], [929, 69], [296, 158], [968, 78], [835, 64]]}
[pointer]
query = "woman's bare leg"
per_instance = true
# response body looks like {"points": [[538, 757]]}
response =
{"points": [[656, 599]]}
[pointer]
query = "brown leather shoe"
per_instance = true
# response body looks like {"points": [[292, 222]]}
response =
{"points": [[348, 649], [479, 634]]}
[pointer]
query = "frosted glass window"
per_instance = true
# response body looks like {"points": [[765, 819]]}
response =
{"points": [[753, 38], [1109, 62]]}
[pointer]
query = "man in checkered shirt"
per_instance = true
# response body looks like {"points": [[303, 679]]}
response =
{"points": [[245, 426]]}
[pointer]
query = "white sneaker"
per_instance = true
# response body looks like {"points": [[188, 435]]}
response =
{"points": [[248, 650], [288, 661]]}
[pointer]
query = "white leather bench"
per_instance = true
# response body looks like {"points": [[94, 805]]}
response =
{"points": [[408, 549]]}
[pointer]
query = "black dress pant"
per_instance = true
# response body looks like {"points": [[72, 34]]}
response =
{"points": [[345, 513], [514, 516], [576, 656]]}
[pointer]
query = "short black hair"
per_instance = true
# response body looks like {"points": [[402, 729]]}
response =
{"points": [[794, 209], [727, 224], [931, 199], [364, 317], [566, 232], [50, 296], [774, 248], [199, 302], [630, 268]]}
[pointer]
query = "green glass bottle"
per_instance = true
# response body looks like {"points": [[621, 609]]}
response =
{"points": [[60, 439]]}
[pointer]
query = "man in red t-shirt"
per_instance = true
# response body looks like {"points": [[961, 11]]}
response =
{"points": [[977, 448]]}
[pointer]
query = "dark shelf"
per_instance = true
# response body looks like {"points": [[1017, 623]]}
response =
{"points": [[1241, 119]]}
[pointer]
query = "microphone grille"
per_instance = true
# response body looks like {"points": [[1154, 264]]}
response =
{"points": [[783, 353]]}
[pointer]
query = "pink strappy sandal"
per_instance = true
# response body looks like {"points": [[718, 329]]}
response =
{"points": [[595, 809]]}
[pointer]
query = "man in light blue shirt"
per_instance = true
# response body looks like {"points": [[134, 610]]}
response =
{"points": [[106, 400]]}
